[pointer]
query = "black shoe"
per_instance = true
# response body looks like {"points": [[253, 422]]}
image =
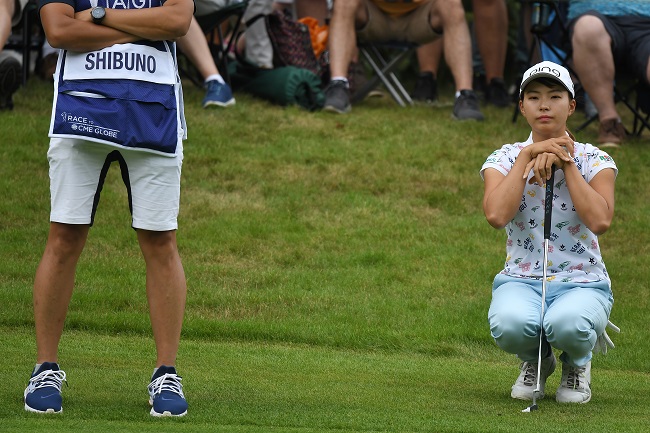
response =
{"points": [[337, 97], [466, 106], [426, 88], [496, 93], [9, 79]]}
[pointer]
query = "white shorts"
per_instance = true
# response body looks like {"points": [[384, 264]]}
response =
{"points": [[77, 172]]}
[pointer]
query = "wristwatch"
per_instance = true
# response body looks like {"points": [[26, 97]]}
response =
{"points": [[98, 13]]}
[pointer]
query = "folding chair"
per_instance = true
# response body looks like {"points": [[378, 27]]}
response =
{"points": [[636, 97], [211, 26], [384, 58], [642, 104], [31, 37]]}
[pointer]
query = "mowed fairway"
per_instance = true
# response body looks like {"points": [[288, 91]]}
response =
{"points": [[339, 272]]}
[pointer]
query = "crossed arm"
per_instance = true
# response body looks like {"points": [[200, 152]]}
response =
{"points": [[76, 32], [594, 201]]}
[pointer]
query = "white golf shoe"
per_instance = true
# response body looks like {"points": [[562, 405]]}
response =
{"points": [[575, 384], [527, 380]]}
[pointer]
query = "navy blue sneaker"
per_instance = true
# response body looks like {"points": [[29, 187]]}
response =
{"points": [[217, 95], [43, 393], [166, 393]]}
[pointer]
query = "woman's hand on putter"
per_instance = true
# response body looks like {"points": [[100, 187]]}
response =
{"points": [[542, 167], [546, 154], [562, 147]]}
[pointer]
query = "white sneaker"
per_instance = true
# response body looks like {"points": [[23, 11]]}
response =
{"points": [[527, 380], [575, 384]]}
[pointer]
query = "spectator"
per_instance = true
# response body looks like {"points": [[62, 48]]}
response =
{"points": [[10, 68], [413, 21], [195, 47], [142, 127], [606, 36], [491, 36]]}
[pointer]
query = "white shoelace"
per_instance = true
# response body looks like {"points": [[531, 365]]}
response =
{"points": [[530, 374], [166, 382], [47, 378], [573, 378]]}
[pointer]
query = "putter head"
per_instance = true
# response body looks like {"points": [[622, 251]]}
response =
{"points": [[531, 408]]}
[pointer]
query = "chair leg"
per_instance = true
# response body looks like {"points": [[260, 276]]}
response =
{"points": [[383, 70], [586, 123], [27, 44]]}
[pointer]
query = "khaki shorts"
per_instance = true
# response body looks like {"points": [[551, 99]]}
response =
{"points": [[78, 169], [414, 26]]}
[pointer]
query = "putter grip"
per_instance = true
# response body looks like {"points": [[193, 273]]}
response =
{"points": [[548, 205]]}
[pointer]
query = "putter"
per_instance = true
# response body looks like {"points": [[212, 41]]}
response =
{"points": [[548, 208]]}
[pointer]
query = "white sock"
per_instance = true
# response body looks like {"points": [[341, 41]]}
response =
{"points": [[344, 79], [36, 368], [217, 77]]}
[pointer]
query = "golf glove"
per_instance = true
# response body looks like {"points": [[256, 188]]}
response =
{"points": [[603, 342]]}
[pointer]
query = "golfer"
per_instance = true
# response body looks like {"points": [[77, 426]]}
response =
{"points": [[578, 290], [117, 97]]}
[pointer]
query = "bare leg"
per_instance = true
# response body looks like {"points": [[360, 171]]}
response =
{"points": [[166, 291], [429, 56], [491, 26], [342, 34], [195, 47], [450, 16], [7, 10], [53, 286], [592, 46]]}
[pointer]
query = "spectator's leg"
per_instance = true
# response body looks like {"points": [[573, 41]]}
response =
{"points": [[592, 46], [195, 47], [429, 56], [491, 26], [342, 35], [426, 86], [166, 291], [7, 10], [450, 17]]}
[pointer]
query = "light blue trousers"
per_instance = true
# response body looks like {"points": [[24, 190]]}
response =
{"points": [[574, 316]]}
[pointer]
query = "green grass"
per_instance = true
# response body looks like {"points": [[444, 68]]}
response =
{"points": [[339, 272]]}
